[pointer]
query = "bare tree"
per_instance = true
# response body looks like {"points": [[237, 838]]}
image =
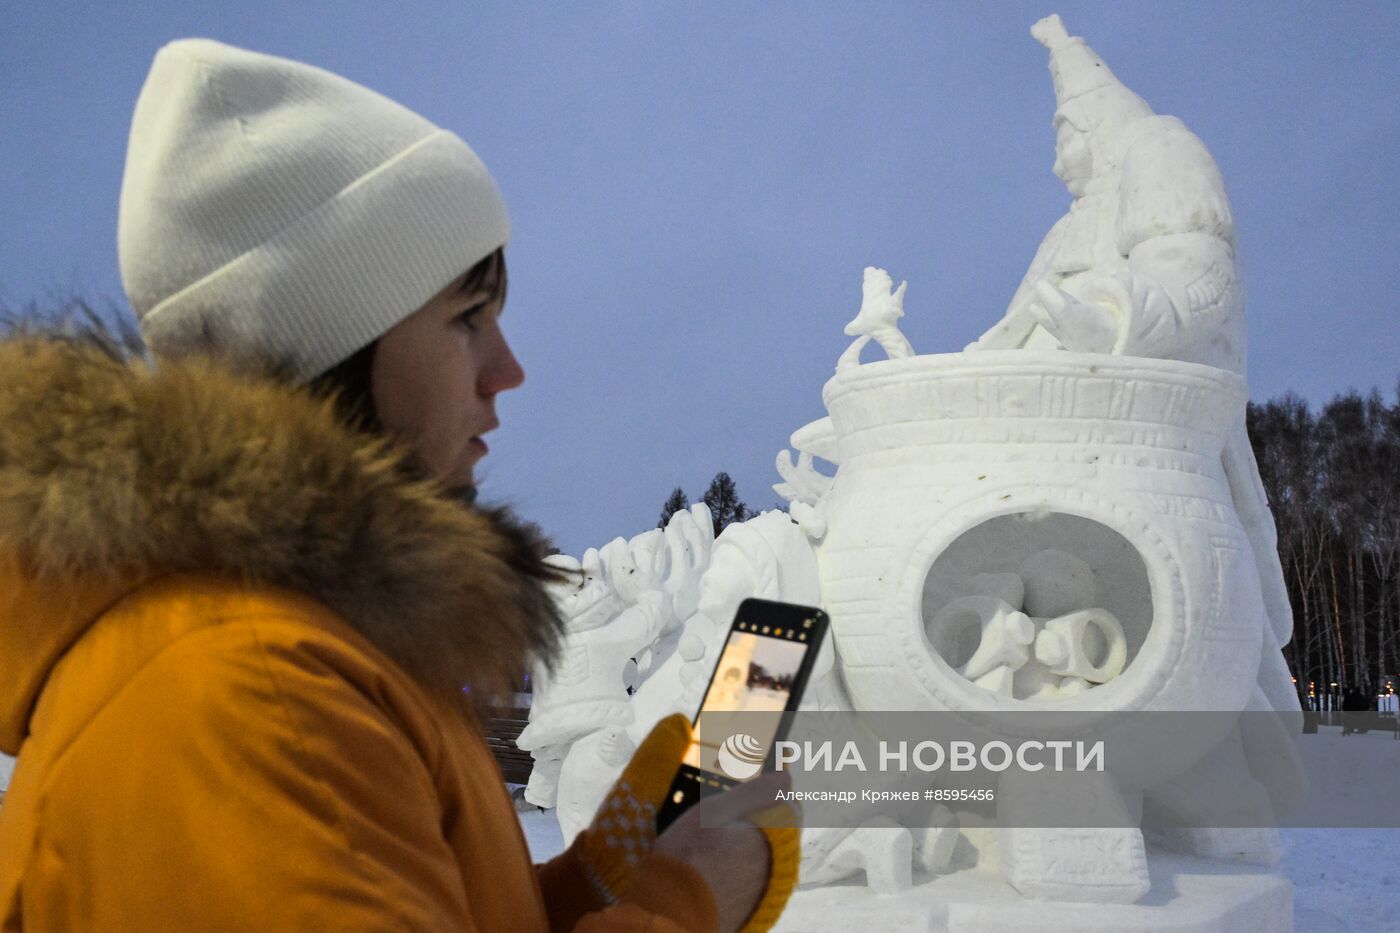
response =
{"points": [[1334, 485], [676, 502], [725, 505]]}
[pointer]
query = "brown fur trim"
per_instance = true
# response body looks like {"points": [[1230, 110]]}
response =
{"points": [[109, 465]]}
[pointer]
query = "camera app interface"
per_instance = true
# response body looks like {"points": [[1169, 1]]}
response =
{"points": [[756, 673]]}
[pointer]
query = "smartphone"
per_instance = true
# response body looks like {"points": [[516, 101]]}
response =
{"points": [[763, 668]]}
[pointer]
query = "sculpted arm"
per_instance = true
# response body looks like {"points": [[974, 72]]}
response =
{"points": [[1179, 293], [1179, 296]]}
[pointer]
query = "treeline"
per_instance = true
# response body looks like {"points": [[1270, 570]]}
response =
{"points": [[1333, 480], [721, 496]]}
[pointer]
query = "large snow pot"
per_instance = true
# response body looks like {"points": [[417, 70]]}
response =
{"points": [[957, 464]]}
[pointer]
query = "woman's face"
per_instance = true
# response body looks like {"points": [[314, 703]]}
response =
{"points": [[436, 374]]}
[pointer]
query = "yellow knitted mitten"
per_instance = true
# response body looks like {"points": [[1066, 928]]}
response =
{"points": [[624, 829]]}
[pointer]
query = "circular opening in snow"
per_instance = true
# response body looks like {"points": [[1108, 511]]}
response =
{"points": [[1037, 606]]}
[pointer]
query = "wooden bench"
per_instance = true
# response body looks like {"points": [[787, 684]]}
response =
{"points": [[502, 730]]}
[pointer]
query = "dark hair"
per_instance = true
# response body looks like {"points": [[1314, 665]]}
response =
{"points": [[350, 384], [351, 381]]}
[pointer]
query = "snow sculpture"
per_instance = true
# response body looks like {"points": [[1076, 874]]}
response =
{"points": [[1065, 516], [579, 715], [585, 691], [624, 613], [1084, 529], [1143, 264], [880, 311], [802, 484], [689, 537]]}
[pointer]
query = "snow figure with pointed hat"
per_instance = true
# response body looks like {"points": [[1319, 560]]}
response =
{"points": [[1144, 265]]}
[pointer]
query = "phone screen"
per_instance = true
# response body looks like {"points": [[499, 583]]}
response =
{"points": [[763, 668], [757, 672]]}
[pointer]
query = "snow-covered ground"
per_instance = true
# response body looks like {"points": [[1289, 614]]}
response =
{"points": [[542, 834], [1344, 880], [1348, 879]]}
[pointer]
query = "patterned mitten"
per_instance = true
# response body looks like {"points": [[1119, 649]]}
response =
{"points": [[624, 829]]}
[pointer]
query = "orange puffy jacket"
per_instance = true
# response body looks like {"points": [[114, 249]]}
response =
{"points": [[230, 632]]}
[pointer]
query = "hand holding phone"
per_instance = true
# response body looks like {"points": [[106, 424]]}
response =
{"points": [[738, 860]]}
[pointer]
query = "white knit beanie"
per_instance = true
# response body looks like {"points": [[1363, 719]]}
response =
{"points": [[272, 208]]}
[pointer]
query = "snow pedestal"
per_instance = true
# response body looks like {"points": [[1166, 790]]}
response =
{"points": [[1188, 895]]}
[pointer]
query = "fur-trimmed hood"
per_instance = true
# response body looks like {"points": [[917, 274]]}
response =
{"points": [[114, 470]]}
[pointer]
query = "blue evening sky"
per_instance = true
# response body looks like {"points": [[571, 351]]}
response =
{"points": [[696, 187]]}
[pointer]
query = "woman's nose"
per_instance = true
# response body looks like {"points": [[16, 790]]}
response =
{"points": [[504, 371]]}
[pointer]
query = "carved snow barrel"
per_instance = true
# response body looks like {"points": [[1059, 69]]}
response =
{"points": [[958, 465]]}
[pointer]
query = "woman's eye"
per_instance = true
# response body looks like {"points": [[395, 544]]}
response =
{"points": [[468, 317]]}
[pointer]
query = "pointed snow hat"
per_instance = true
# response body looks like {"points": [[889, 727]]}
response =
{"points": [[1083, 80]]}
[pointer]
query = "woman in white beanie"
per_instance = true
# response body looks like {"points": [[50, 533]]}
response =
{"points": [[239, 615]]}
